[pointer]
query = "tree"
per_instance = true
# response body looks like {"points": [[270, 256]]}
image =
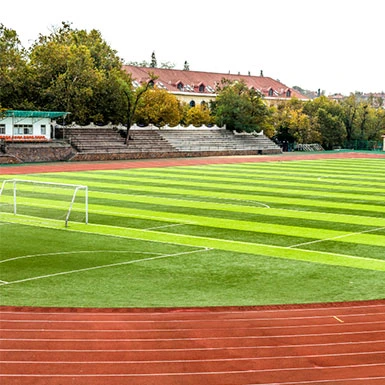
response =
{"points": [[350, 108], [14, 75], [296, 121], [158, 107], [301, 129], [109, 100], [327, 119], [133, 98], [73, 89], [363, 120], [154, 62], [375, 123], [144, 63], [281, 114], [331, 128], [167, 65], [76, 71], [197, 116], [240, 108]]}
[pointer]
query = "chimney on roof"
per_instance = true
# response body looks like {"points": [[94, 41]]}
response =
{"points": [[261, 73]]}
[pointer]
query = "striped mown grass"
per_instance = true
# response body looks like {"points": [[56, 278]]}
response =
{"points": [[240, 234]]}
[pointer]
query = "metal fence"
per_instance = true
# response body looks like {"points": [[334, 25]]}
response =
{"points": [[369, 145]]}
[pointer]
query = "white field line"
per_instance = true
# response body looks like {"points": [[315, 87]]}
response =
{"points": [[337, 237], [164, 226], [174, 374], [315, 382], [75, 252], [201, 349], [254, 203], [165, 330], [320, 382], [346, 317], [228, 241], [48, 225], [144, 340], [253, 358], [105, 266]]}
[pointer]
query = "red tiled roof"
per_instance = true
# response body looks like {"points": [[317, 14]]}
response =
{"points": [[191, 81]]}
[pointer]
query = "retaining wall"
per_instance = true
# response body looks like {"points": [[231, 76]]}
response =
{"points": [[36, 152]]}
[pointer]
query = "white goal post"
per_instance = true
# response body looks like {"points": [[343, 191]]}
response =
{"points": [[73, 190]]}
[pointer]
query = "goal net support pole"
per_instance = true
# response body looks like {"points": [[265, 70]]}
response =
{"points": [[77, 188], [53, 184]]}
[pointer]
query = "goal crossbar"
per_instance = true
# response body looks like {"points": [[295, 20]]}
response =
{"points": [[76, 188]]}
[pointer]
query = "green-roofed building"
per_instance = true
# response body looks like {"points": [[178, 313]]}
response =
{"points": [[20, 125]]}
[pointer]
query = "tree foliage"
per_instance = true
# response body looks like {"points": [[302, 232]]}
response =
{"points": [[154, 62], [240, 108], [76, 71], [133, 98], [327, 119], [13, 70], [158, 107], [197, 116], [331, 123]]}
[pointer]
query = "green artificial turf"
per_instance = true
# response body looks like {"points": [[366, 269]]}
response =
{"points": [[215, 235]]}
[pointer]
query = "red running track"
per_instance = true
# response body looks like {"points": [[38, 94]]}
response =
{"points": [[159, 162], [339, 344]]}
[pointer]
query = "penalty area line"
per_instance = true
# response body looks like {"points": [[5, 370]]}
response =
{"points": [[69, 253], [165, 226], [4, 283], [337, 237]]}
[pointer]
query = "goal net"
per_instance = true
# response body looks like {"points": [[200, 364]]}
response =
{"points": [[51, 200]]}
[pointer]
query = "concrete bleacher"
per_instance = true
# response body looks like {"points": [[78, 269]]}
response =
{"points": [[93, 139], [142, 140], [197, 140], [101, 140], [93, 142]]}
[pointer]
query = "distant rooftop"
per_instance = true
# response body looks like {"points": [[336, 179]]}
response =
{"points": [[205, 83]]}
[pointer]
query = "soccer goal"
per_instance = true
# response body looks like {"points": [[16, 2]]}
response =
{"points": [[45, 199]]}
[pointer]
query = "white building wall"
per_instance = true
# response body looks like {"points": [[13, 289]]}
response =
{"points": [[14, 128]]}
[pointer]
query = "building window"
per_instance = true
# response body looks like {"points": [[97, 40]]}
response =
{"points": [[2, 129], [192, 103], [23, 129], [201, 88], [288, 93], [180, 86], [271, 92], [43, 129]]}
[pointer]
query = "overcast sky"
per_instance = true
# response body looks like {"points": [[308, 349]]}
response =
{"points": [[334, 45]]}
